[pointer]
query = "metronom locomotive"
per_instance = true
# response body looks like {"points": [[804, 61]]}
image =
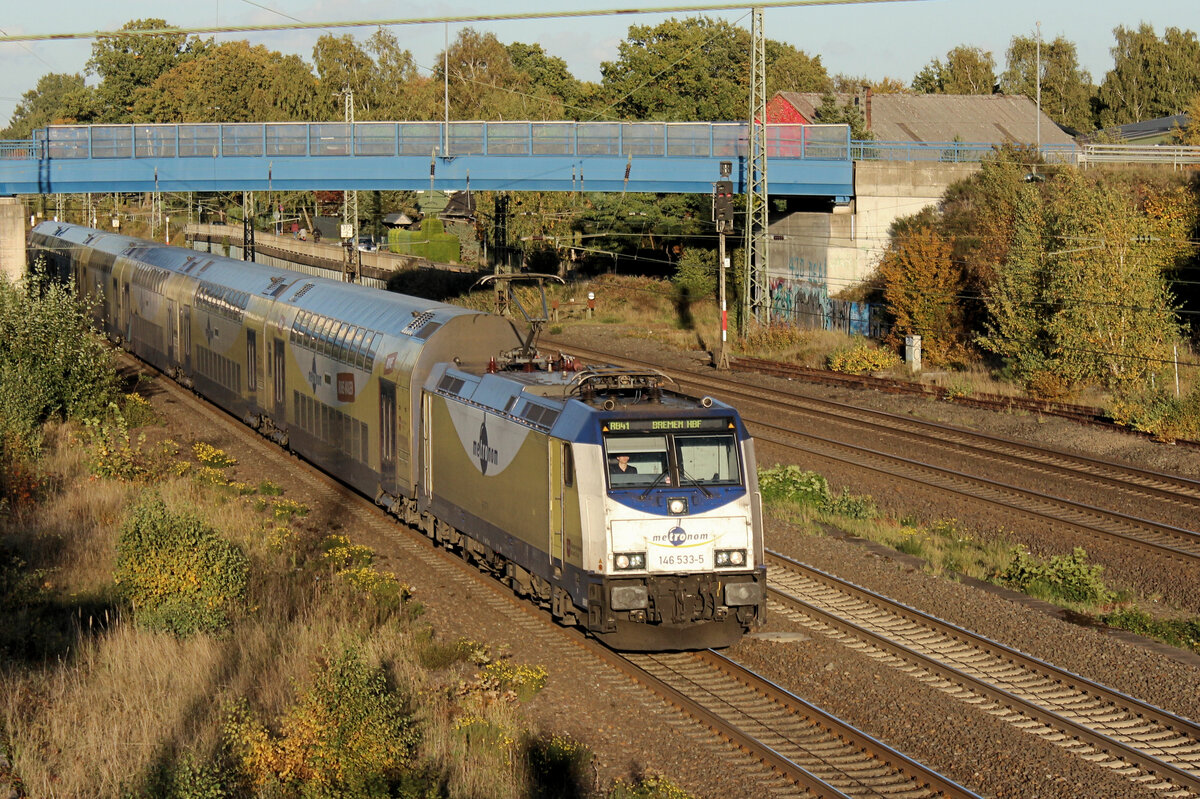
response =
{"points": [[623, 507]]}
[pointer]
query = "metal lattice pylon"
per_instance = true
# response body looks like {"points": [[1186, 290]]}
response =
{"points": [[350, 197], [756, 298]]}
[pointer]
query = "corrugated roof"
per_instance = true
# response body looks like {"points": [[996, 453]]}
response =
{"points": [[1149, 128], [992, 118]]}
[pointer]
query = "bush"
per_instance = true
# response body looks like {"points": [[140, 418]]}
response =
{"points": [[696, 274], [112, 453], [347, 734], [1065, 578], [176, 572], [51, 362], [1183, 633], [793, 484], [861, 358], [1159, 414]]}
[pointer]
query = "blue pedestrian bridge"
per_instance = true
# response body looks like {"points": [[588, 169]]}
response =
{"points": [[660, 157]]}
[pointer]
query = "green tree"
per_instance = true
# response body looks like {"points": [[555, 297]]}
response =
{"points": [[1114, 312], [698, 69], [680, 70], [1066, 88], [1151, 77], [1017, 306], [831, 112], [1189, 134], [921, 284], [232, 82], [58, 99], [852, 84], [967, 70], [483, 82], [547, 82], [399, 91], [792, 70], [129, 64], [384, 78]]}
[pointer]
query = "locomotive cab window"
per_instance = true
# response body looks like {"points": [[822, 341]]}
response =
{"points": [[674, 459], [637, 461]]}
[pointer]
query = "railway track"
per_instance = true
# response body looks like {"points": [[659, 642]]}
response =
{"points": [[1148, 746], [994, 402], [797, 749], [1119, 481]]}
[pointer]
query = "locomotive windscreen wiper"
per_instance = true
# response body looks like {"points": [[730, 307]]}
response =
{"points": [[685, 476], [661, 476]]}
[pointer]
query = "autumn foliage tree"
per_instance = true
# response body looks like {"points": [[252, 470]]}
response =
{"points": [[921, 284]]}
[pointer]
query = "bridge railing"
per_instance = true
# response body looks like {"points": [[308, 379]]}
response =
{"points": [[366, 139], [1178, 156], [954, 152]]}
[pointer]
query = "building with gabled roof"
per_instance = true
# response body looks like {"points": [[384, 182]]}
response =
{"points": [[976, 118]]}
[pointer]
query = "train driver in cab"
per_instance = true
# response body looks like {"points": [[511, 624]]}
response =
{"points": [[621, 465]]}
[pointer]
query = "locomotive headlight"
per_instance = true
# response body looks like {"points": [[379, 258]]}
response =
{"points": [[626, 561], [677, 506], [730, 557]]}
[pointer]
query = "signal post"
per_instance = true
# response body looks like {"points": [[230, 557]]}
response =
{"points": [[723, 218]]}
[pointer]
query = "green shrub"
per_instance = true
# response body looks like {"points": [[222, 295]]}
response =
{"points": [[1063, 578], [696, 274], [1159, 413], [793, 484], [176, 572], [112, 454], [861, 358], [1183, 633], [347, 735], [52, 364]]}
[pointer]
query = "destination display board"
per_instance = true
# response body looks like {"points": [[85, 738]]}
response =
{"points": [[668, 425]]}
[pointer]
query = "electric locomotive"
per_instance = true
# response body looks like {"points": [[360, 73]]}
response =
{"points": [[621, 505]]}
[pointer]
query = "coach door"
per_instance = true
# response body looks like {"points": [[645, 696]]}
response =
{"points": [[278, 382], [561, 476], [126, 313], [172, 334], [185, 336], [252, 365], [387, 432]]}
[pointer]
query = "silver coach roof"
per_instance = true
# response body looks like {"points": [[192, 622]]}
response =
{"points": [[384, 311]]}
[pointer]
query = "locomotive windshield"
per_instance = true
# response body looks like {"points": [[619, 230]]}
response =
{"points": [[676, 459]]}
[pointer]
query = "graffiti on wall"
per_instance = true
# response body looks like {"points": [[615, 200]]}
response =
{"points": [[801, 297]]}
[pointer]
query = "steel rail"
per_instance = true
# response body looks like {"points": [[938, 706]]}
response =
{"points": [[1101, 741]]}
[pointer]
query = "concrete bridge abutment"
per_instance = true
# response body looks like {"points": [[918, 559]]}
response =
{"points": [[816, 255], [12, 238]]}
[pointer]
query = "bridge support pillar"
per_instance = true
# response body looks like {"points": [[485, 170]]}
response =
{"points": [[12, 238]]}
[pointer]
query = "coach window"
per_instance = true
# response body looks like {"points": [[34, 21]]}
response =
{"points": [[360, 357], [327, 335], [343, 345]]}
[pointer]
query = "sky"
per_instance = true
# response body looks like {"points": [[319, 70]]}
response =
{"points": [[876, 40]]}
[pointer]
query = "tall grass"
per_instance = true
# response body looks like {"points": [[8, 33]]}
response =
{"points": [[108, 708]]}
